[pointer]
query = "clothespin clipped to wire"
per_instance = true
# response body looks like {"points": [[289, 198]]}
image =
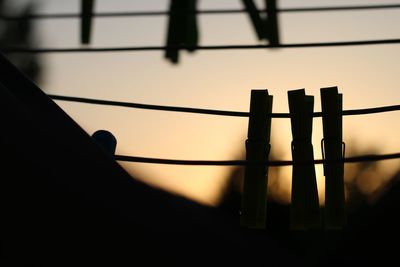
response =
{"points": [[182, 28], [87, 7], [256, 19], [333, 152], [272, 23], [266, 28], [305, 211], [254, 199], [106, 140]]}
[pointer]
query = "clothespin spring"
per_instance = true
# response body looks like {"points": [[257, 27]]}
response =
{"points": [[323, 151]]}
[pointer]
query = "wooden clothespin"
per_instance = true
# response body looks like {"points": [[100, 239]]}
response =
{"points": [[256, 19], [305, 212], [254, 199], [106, 140], [87, 7], [266, 28], [182, 28], [272, 23], [333, 153]]}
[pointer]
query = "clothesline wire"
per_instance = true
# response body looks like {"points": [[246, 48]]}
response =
{"points": [[351, 112], [199, 47], [272, 163], [205, 12], [356, 159]]}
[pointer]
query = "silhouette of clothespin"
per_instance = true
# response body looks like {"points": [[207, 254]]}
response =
{"points": [[305, 213], [333, 152], [86, 20], [182, 28], [265, 28], [272, 23], [256, 19], [106, 140], [254, 199]]}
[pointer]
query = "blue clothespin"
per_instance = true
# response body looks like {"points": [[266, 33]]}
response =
{"points": [[182, 28], [333, 153], [254, 198], [86, 20], [305, 211], [106, 140]]}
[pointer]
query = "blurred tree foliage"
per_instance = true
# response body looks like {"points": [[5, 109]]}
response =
{"points": [[19, 33]]}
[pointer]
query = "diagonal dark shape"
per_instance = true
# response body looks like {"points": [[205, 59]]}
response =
{"points": [[64, 199]]}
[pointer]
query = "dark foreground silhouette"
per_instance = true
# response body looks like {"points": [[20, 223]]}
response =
{"points": [[65, 201]]}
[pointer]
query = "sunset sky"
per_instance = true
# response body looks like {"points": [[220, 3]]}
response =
{"points": [[368, 76]]}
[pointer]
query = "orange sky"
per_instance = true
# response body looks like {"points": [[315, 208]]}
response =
{"points": [[367, 76]]}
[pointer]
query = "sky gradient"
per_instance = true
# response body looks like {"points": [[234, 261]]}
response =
{"points": [[366, 75]]}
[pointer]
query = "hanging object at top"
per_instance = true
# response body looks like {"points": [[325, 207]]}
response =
{"points": [[87, 7], [182, 28], [266, 27], [272, 23], [256, 19]]}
